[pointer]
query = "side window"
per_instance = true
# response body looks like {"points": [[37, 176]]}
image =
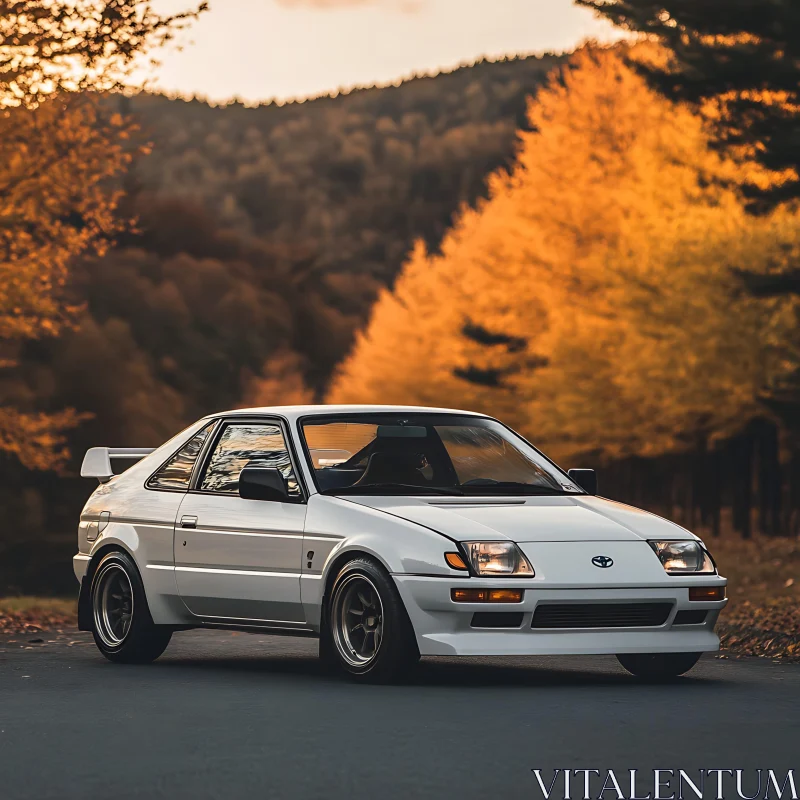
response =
{"points": [[177, 472], [257, 444]]}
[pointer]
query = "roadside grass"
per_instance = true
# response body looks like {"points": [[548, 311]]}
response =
{"points": [[26, 614], [759, 570], [30, 604], [762, 617]]}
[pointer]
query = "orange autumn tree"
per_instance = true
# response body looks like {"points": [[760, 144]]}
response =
{"points": [[62, 145], [591, 300]]}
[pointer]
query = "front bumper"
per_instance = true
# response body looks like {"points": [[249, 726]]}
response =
{"points": [[443, 627]]}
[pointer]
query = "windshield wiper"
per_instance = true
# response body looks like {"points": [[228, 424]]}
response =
{"points": [[368, 488]]}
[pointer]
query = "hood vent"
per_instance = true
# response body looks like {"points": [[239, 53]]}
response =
{"points": [[474, 502]]}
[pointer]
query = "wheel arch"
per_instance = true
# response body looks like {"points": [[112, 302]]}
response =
{"points": [[85, 594], [335, 567], [403, 650]]}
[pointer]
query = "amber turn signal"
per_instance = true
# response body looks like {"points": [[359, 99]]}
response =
{"points": [[455, 561], [486, 595], [505, 595], [707, 593]]}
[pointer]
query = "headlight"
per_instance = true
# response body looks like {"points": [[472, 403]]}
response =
{"points": [[498, 558], [684, 558]]}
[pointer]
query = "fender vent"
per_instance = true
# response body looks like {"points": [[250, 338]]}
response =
{"points": [[600, 615]]}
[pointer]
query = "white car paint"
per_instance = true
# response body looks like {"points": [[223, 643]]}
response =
{"points": [[265, 565]]}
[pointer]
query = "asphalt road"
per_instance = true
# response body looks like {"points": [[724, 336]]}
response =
{"points": [[231, 716]]}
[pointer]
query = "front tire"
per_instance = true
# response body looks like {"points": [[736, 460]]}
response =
{"points": [[368, 635], [122, 627], [658, 666]]}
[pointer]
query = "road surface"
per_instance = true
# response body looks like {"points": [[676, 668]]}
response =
{"points": [[231, 716]]}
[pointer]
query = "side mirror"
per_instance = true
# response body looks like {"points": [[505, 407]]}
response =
{"points": [[585, 478], [263, 483]]}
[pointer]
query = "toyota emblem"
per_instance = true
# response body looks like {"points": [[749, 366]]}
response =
{"points": [[604, 562]]}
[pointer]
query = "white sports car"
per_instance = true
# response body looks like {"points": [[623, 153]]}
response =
{"points": [[388, 532]]}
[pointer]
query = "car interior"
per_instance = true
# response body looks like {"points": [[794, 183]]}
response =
{"points": [[412, 455]]}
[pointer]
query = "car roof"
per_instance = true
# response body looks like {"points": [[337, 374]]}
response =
{"points": [[294, 412]]}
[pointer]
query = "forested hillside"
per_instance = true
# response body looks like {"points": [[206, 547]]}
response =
{"points": [[263, 237], [339, 187]]}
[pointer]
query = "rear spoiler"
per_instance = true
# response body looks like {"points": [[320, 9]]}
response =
{"points": [[97, 461]]}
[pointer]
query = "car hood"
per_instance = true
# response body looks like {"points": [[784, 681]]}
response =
{"points": [[528, 519]]}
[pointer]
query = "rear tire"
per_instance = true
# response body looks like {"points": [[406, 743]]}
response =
{"points": [[122, 627], [368, 634], [658, 666]]}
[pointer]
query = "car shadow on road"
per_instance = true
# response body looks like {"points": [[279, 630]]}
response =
{"points": [[440, 672], [537, 672]]}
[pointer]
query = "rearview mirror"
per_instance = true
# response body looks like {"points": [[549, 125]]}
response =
{"points": [[401, 432], [263, 483], [585, 478]]}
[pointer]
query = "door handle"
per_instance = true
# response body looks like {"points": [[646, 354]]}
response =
{"points": [[188, 522]]}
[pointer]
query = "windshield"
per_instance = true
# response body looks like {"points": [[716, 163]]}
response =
{"points": [[426, 453]]}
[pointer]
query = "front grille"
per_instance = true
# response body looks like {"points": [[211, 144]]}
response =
{"points": [[600, 615]]}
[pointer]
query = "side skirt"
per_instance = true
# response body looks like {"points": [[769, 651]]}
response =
{"points": [[272, 630]]}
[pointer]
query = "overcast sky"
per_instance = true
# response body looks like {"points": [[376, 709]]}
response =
{"points": [[280, 49]]}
